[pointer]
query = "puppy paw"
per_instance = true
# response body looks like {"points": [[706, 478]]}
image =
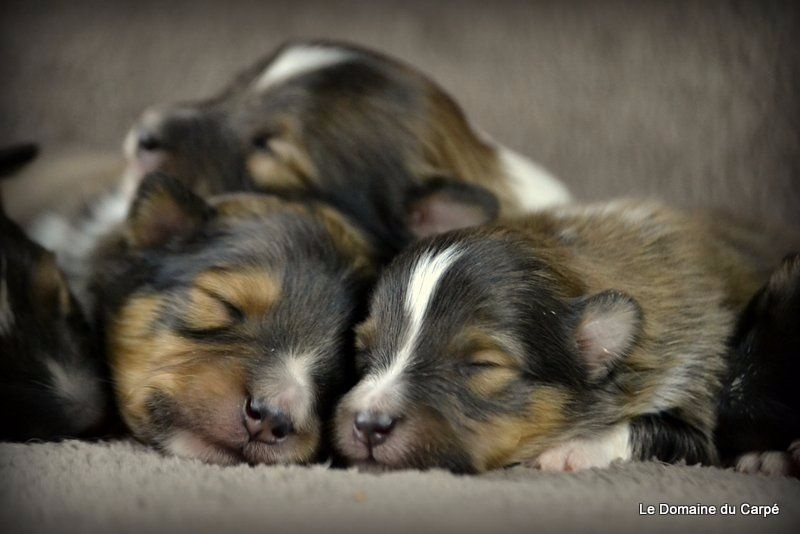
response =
{"points": [[770, 463], [578, 454]]}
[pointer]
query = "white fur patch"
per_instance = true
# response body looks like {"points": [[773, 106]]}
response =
{"points": [[578, 454], [422, 284], [290, 388], [6, 313], [295, 392], [72, 244], [299, 60], [57, 234], [532, 186]]}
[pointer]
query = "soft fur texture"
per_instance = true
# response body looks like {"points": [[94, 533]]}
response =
{"points": [[693, 102]]}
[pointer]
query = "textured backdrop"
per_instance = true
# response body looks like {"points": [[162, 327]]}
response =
{"points": [[694, 102]]}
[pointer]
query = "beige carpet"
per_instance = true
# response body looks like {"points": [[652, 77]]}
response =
{"points": [[122, 487]]}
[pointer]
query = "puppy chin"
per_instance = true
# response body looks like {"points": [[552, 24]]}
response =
{"points": [[395, 453], [296, 449], [187, 444]]}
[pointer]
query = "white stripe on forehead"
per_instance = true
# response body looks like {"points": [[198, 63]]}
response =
{"points": [[298, 60], [422, 284]]}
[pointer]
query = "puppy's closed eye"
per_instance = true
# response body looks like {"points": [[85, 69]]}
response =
{"points": [[488, 359], [489, 372], [206, 312]]}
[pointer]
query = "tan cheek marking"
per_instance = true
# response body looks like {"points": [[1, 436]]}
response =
{"points": [[247, 205], [509, 439], [147, 359], [490, 381], [287, 167], [132, 343], [349, 241], [270, 173], [366, 334], [205, 382], [254, 291]]}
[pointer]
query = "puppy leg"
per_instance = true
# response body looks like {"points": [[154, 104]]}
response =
{"points": [[586, 453], [669, 438]]}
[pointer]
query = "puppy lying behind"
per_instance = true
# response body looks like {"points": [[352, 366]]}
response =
{"points": [[367, 134], [227, 322], [50, 377], [760, 404], [564, 340]]}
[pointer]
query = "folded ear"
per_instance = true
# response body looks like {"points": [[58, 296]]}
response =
{"points": [[609, 324], [443, 205], [165, 211]]}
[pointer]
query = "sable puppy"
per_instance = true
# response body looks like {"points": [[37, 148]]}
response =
{"points": [[227, 321], [563, 340], [373, 137], [760, 403], [50, 377]]}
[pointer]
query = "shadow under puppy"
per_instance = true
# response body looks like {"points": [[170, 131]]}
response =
{"points": [[228, 321], [563, 340], [51, 382]]}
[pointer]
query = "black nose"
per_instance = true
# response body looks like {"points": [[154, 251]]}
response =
{"points": [[149, 141], [373, 428], [264, 423]]}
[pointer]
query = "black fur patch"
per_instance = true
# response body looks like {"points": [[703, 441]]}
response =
{"points": [[759, 408]]}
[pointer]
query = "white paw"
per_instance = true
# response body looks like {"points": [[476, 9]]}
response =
{"points": [[578, 454], [771, 463]]}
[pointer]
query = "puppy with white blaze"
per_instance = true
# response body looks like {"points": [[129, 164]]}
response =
{"points": [[563, 340]]}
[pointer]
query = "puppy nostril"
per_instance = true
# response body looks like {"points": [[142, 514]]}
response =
{"points": [[281, 426], [253, 409], [148, 141], [266, 424], [373, 428]]}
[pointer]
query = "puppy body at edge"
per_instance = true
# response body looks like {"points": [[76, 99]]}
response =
{"points": [[565, 339]]}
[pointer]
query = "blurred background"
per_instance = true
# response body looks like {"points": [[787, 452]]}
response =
{"points": [[695, 102]]}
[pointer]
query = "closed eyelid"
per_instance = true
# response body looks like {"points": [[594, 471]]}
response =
{"points": [[206, 311], [492, 358]]}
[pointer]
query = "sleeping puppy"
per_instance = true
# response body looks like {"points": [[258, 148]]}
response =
{"points": [[50, 376], [227, 322], [562, 340], [365, 133], [759, 408]]}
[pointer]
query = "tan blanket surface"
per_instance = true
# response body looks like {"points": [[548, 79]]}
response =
{"points": [[125, 487]]}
